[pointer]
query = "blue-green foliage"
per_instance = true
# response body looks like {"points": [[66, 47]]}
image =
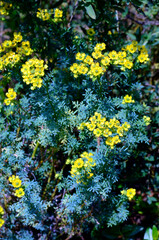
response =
{"points": [[40, 138], [49, 118]]}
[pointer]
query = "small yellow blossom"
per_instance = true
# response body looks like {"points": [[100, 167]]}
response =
{"points": [[131, 48], [16, 182], [80, 56], [100, 47], [113, 55], [90, 32], [128, 99], [79, 163], [19, 192], [11, 94], [147, 120], [1, 210], [58, 13], [131, 192], [1, 222]]}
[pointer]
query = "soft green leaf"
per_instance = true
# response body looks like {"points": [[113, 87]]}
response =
{"points": [[91, 12], [154, 233], [148, 234]]}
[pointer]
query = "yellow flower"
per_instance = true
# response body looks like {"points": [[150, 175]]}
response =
{"points": [[91, 127], [88, 60], [131, 48], [7, 101], [96, 69], [80, 56], [128, 64], [97, 132], [1, 210], [1, 222], [11, 178], [86, 154], [82, 125], [90, 32], [131, 192], [79, 163], [19, 192], [16, 182], [90, 175], [74, 68], [113, 55], [7, 44], [105, 61], [82, 69], [147, 120], [143, 57], [11, 94], [110, 142], [107, 133], [128, 99], [97, 54], [26, 44], [120, 131], [125, 126], [17, 37], [43, 14], [116, 139], [100, 47], [111, 123], [122, 54], [58, 13]]}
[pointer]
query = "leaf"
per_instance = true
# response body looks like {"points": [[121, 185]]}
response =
{"points": [[91, 12], [120, 9], [154, 233], [132, 36], [148, 234], [131, 230], [137, 2]]}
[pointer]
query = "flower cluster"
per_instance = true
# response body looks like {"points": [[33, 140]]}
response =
{"points": [[1, 219], [130, 193], [143, 57], [128, 99], [32, 71], [16, 183], [4, 7], [147, 120], [111, 129], [82, 166], [11, 95], [9, 57], [58, 15], [45, 14], [96, 66]]}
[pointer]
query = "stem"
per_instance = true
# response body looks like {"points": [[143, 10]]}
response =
{"points": [[49, 178], [35, 149], [98, 143], [100, 87], [42, 162], [46, 87], [55, 190]]}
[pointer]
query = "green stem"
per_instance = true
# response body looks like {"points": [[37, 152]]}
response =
{"points": [[100, 87], [35, 149], [49, 178]]}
